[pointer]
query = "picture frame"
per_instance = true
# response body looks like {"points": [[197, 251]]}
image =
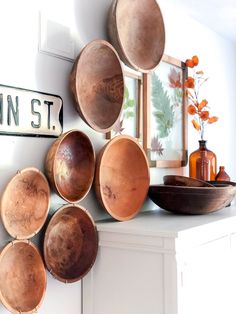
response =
{"points": [[130, 121], [165, 114]]}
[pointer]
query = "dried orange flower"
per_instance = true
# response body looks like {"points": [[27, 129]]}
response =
{"points": [[189, 83], [196, 108]]}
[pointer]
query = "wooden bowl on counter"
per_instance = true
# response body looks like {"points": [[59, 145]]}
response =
{"points": [[191, 200], [97, 83], [136, 29], [70, 243], [22, 277], [122, 177], [70, 165], [25, 203], [184, 181]]}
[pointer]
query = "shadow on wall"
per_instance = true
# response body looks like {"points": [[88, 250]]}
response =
{"points": [[91, 19]]}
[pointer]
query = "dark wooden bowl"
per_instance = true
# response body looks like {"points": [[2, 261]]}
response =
{"points": [[122, 177], [184, 181], [22, 277], [191, 200], [97, 83], [136, 29], [25, 203], [70, 243], [70, 165]]}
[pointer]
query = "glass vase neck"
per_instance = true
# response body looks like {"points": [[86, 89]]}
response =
{"points": [[202, 144]]}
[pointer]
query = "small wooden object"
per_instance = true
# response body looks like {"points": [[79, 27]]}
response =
{"points": [[184, 181], [25, 203], [136, 29], [70, 243], [70, 165], [97, 83], [191, 200], [122, 177], [22, 277]]}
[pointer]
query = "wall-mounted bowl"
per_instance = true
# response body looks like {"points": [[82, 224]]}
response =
{"points": [[136, 29], [22, 277], [122, 177], [25, 203], [97, 83], [70, 243], [70, 165]]}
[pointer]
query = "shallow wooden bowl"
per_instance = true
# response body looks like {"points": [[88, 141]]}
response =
{"points": [[184, 181], [122, 177], [191, 200], [70, 243], [136, 29], [70, 165], [25, 203], [97, 83], [22, 277]]}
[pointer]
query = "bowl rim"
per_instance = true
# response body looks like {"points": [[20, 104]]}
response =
{"points": [[60, 140], [35, 248], [99, 175], [59, 212], [129, 61], [77, 96], [3, 217]]}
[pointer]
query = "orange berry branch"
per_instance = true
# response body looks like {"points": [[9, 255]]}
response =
{"points": [[197, 108]]}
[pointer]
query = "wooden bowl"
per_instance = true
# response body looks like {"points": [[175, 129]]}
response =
{"points": [[70, 165], [136, 29], [22, 277], [70, 243], [184, 181], [25, 203], [122, 177], [191, 200], [97, 83]]}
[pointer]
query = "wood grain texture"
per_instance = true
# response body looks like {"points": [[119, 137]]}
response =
{"points": [[70, 165], [97, 83], [122, 177], [22, 277], [25, 203], [184, 181], [70, 243], [136, 29]]}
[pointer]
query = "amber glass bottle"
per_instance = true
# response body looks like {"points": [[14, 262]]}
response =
{"points": [[222, 175], [202, 163]]}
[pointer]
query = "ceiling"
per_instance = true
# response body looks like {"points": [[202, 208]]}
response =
{"points": [[219, 15]]}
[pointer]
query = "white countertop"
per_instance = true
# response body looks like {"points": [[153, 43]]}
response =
{"points": [[162, 223]]}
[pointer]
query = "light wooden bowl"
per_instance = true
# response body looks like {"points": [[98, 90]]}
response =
{"points": [[184, 181], [191, 200], [122, 177], [70, 165], [25, 203], [22, 277], [97, 83], [70, 243], [136, 29]]}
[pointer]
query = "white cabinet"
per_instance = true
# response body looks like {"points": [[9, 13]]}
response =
{"points": [[161, 263]]}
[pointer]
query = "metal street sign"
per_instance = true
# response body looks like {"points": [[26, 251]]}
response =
{"points": [[27, 112]]}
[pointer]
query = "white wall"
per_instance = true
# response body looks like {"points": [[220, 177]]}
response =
{"points": [[22, 65]]}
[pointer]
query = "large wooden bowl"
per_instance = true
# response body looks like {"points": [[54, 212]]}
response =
{"points": [[70, 243], [70, 165], [97, 83], [136, 29], [22, 277], [122, 177], [25, 203], [191, 200]]}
